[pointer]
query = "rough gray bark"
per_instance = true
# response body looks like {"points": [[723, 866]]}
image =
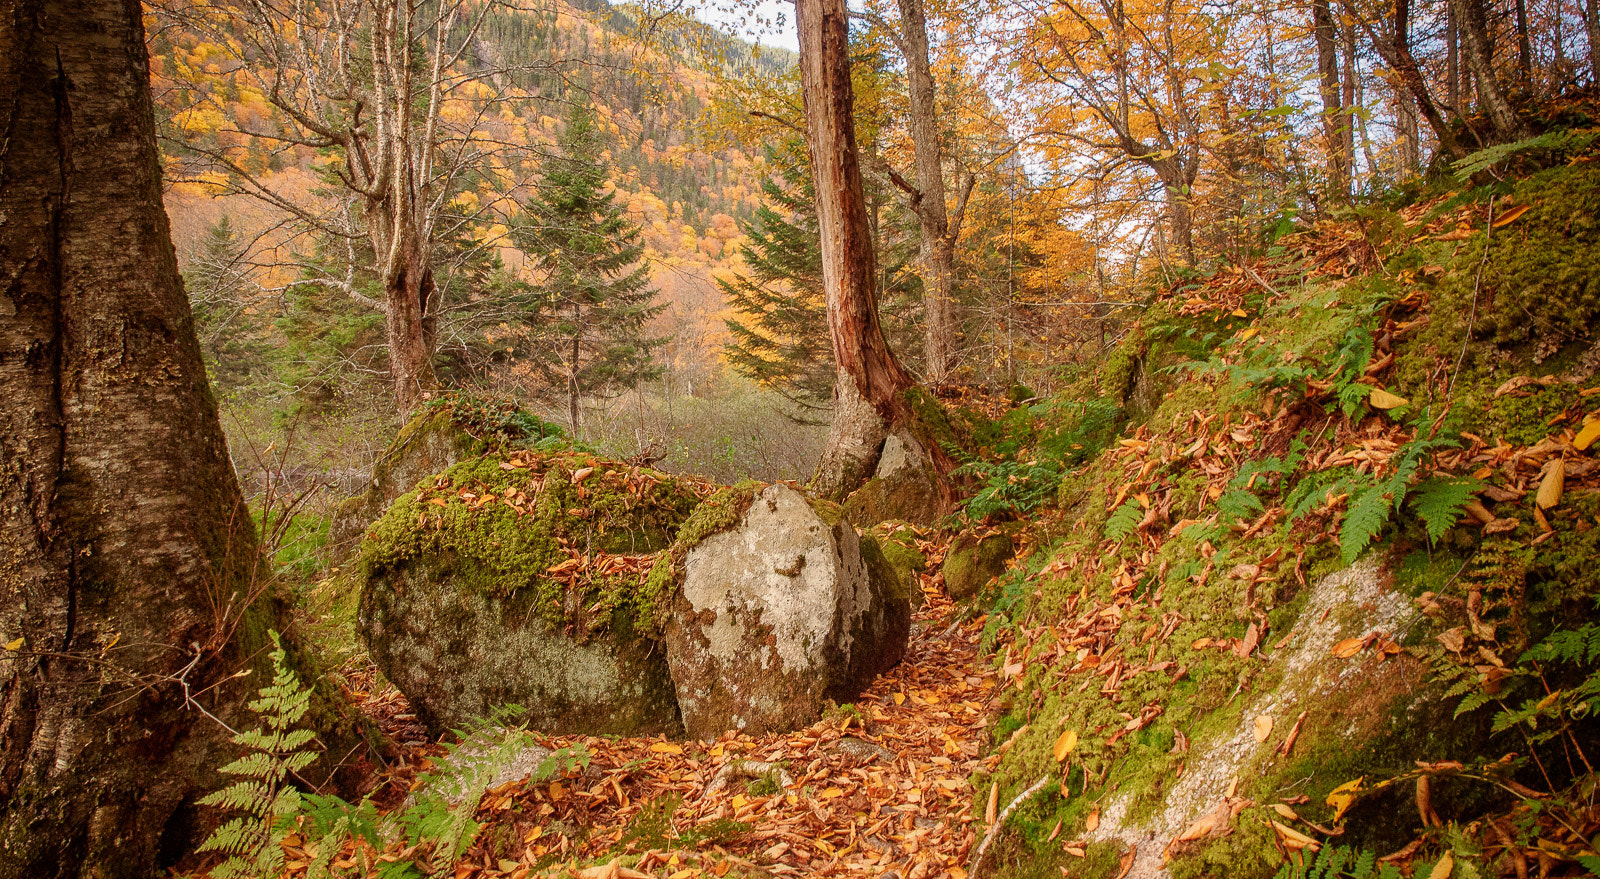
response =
{"points": [[937, 240], [127, 556], [1473, 27], [1335, 117], [855, 439], [849, 269], [1396, 53]]}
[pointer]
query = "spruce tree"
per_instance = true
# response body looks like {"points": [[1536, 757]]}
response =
{"points": [[780, 337], [594, 301]]}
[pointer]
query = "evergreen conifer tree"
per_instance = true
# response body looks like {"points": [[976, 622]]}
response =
{"points": [[780, 337], [594, 301]]}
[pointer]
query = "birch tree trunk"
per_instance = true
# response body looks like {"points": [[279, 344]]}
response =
{"points": [[1473, 27], [129, 593]]}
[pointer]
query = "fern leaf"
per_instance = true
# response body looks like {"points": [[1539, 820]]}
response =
{"points": [[1367, 516], [1440, 502], [1123, 521]]}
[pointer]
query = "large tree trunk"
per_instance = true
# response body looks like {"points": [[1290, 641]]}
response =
{"points": [[855, 439], [848, 264], [128, 560], [1325, 33], [409, 324], [1471, 23], [937, 248]]}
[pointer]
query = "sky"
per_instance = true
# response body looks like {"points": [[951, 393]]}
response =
{"points": [[769, 22]]}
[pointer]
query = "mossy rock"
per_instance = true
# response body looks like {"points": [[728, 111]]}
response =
{"points": [[776, 611], [429, 443], [451, 427], [903, 488], [519, 578], [973, 560], [898, 543]]}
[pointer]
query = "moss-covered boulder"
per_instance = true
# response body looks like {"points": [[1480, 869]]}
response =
{"points": [[903, 487], [898, 542], [521, 578], [429, 443], [975, 559], [777, 610], [449, 428]]}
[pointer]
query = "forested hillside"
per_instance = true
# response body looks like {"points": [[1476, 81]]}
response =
{"points": [[1111, 440]]}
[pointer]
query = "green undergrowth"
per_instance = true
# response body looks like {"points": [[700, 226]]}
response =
{"points": [[1305, 424], [498, 525]]}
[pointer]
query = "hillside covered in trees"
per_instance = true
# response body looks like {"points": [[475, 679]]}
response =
{"points": [[1110, 440]]}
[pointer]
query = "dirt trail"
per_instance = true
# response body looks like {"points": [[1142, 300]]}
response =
{"points": [[879, 790]]}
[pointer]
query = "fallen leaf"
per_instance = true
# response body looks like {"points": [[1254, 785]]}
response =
{"points": [[1294, 839], [1443, 869], [1511, 216], [1348, 647], [1092, 822], [1344, 796], [994, 804], [1589, 433], [1262, 727], [15, 645], [581, 474], [1065, 743], [1285, 811], [1382, 399], [1555, 478], [666, 748]]}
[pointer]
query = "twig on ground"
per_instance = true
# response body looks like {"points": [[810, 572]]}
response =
{"points": [[1000, 820]]}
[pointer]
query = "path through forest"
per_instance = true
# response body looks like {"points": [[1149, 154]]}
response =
{"points": [[880, 789]]}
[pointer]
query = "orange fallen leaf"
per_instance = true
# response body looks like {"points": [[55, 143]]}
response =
{"points": [[1261, 728], [1348, 647], [1065, 743]]}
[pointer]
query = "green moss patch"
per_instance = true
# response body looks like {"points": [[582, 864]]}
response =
{"points": [[552, 529]]}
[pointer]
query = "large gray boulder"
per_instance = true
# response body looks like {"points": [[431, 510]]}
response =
{"points": [[519, 578], [903, 487], [777, 614]]}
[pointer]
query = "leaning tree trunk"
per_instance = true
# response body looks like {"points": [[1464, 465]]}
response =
{"points": [[1474, 30], [128, 559], [1397, 54], [937, 248], [848, 264]]}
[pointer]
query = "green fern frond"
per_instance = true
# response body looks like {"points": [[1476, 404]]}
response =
{"points": [[1123, 520], [1368, 513], [1439, 503]]}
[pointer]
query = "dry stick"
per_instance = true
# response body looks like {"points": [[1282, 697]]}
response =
{"points": [[1472, 317], [1000, 821]]}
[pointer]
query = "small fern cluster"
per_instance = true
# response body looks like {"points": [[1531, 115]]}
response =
{"points": [[264, 791], [1339, 862], [436, 823]]}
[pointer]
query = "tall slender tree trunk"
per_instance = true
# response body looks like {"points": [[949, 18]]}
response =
{"points": [[1591, 28], [128, 560], [937, 245], [574, 390], [408, 321], [1325, 33], [1397, 54], [1475, 46], [1452, 61], [1524, 47], [1348, 106], [848, 264]]}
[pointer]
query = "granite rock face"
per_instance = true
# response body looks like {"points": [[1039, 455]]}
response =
{"points": [[776, 615]]}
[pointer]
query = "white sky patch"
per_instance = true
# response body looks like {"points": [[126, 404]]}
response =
{"points": [[768, 22]]}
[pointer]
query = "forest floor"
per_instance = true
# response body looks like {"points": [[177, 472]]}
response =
{"points": [[879, 787]]}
